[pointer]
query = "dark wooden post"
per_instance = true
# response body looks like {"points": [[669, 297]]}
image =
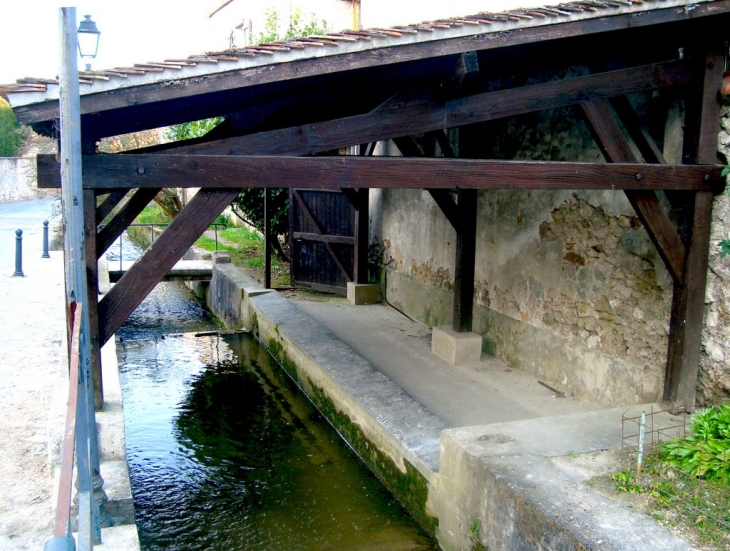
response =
{"points": [[702, 121], [362, 230], [465, 261], [267, 234], [91, 301]]}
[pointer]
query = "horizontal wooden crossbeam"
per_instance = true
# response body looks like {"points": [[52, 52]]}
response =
{"points": [[427, 116], [234, 172]]}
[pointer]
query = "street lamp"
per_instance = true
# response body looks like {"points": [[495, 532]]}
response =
{"points": [[88, 39]]}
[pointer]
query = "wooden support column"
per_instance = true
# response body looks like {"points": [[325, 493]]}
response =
{"points": [[688, 300], [267, 242], [92, 295], [465, 261], [362, 230]]}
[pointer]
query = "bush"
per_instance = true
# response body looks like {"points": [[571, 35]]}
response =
{"points": [[706, 452], [10, 136]]}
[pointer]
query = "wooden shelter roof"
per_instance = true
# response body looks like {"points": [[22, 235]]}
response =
{"points": [[168, 85]]}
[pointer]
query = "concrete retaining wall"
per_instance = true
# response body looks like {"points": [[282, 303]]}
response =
{"points": [[502, 487], [17, 179]]}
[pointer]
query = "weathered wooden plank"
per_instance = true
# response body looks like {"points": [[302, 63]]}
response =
{"points": [[109, 202], [136, 204], [306, 236], [688, 301], [424, 117], [155, 171], [279, 72], [655, 219], [159, 259]]}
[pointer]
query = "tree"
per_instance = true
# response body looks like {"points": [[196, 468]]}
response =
{"points": [[10, 134], [249, 204]]}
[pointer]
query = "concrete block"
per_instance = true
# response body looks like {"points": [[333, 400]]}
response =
{"points": [[455, 348], [221, 257], [364, 293]]}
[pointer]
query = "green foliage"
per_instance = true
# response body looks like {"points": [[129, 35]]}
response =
{"points": [[625, 481], [706, 452], [249, 206], [296, 26], [152, 214], [189, 130], [10, 135], [223, 219]]}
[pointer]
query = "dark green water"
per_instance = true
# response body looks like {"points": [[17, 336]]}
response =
{"points": [[226, 453]]}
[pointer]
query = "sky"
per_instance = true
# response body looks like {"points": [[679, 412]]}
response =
{"points": [[132, 31], [139, 31]]}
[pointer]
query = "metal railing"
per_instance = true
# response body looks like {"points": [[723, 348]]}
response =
{"points": [[62, 535], [153, 236]]}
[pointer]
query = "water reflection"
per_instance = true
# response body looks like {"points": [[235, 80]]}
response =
{"points": [[225, 453]]}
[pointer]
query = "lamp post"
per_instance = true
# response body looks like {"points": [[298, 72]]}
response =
{"points": [[88, 36]]}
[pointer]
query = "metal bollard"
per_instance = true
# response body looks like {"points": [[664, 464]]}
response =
{"points": [[45, 240], [18, 254]]}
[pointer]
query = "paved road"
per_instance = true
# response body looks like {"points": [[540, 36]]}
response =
{"points": [[27, 216], [33, 369]]}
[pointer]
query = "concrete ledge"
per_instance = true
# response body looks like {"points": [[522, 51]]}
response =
{"points": [[515, 482], [364, 293], [229, 293], [118, 538], [456, 348]]}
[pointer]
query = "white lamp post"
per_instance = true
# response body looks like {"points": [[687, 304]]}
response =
{"points": [[88, 39]]}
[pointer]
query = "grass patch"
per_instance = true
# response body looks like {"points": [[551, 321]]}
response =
{"points": [[246, 248], [152, 214]]}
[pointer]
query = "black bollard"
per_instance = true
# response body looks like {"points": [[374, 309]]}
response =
{"points": [[18, 254], [45, 240]]}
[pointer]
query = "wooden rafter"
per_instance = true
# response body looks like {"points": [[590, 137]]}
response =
{"points": [[413, 118], [235, 172]]}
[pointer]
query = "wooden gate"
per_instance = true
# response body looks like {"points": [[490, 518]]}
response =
{"points": [[322, 224]]}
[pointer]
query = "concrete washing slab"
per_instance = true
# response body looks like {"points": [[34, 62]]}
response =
{"points": [[481, 455]]}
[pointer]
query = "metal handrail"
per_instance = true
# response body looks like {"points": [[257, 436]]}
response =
{"points": [[63, 539], [152, 225]]}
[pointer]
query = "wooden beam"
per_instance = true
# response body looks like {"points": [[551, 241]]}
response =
{"points": [[109, 202], [655, 219], [235, 172], [688, 300], [414, 118], [362, 233], [465, 262], [136, 204], [161, 256], [243, 77], [92, 296]]}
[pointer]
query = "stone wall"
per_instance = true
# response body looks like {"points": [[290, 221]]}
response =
{"points": [[568, 286], [17, 179]]}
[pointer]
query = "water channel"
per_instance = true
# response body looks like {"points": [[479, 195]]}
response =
{"points": [[226, 453]]}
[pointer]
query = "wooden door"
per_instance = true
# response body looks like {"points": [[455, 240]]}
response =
{"points": [[322, 224]]}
